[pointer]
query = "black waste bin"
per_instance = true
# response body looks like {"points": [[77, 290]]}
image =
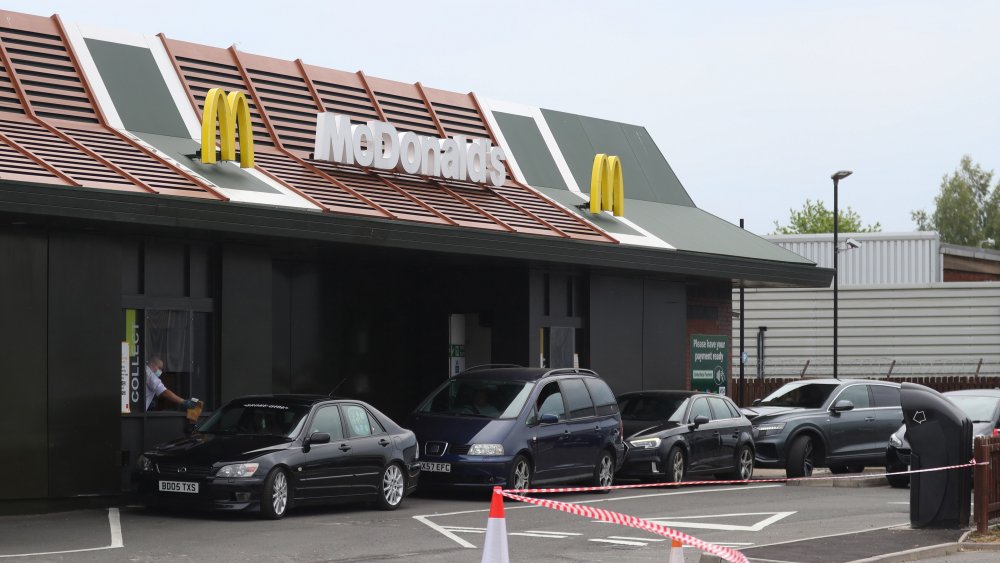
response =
{"points": [[940, 434]]}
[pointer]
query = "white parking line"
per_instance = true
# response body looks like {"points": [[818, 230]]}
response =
{"points": [[114, 523], [444, 530], [904, 524], [636, 539], [461, 529], [685, 521], [621, 542]]}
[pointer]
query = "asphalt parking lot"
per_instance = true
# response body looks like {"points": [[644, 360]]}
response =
{"points": [[764, 520]]}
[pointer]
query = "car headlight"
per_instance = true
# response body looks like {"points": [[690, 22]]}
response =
{"points": [[237, 470], [895, 442], [645, 443], [145, 464], [486, 449], [769, 429]]}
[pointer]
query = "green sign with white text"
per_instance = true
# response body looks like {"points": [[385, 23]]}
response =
{"points": [[709, 363]]}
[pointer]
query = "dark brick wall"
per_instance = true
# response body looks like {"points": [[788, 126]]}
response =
{"points": [[709, 311]]}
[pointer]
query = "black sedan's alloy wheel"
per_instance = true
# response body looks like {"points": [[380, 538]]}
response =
{"points": [[674, 468], [274, 501], [392, 487], [744, 464]]}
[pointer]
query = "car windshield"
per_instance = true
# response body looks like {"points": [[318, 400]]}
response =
{"points": [[651, 407], [486, 398], [978, 409], [256, 417], [799, 394]]}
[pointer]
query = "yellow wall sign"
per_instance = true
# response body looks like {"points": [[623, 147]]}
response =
{"points": [[230, 111], [607, 190]]}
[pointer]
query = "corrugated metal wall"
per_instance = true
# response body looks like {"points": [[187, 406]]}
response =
{"points": [[882, 258], [923, 329]]}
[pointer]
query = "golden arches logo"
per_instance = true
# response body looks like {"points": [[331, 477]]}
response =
{"points": [[230, 111], [607, 189]]}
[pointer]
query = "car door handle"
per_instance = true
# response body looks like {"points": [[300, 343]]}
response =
{"points": [[735, 434], [383, 442], [344, 447], [716, 433], [869, 418], [566, 432]]}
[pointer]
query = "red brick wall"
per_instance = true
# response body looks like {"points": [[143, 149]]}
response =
{"points": [[709, 311], [962, 276]]}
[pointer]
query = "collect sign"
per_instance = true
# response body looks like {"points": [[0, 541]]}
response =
{"points": [[709, 354]]}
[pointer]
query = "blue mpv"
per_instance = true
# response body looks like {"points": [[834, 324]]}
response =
{"points": [[517, 427]]}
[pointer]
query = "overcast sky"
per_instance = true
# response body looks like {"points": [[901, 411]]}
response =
{"points": [[754, 104]]}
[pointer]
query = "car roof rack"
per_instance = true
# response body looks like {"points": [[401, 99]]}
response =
{"points": [[561, 371], [490, 366]]}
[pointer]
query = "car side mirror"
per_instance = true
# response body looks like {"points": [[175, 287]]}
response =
{"points": [[842, 406], [699, 420], [548, 418], [317, 438], [755, 402]]}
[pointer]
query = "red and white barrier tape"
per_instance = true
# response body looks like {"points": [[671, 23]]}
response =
{"points": [[625, 520], [971, 463]]}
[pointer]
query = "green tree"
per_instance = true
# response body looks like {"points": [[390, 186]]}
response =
{"points": [[967, 209], [814, 217]]}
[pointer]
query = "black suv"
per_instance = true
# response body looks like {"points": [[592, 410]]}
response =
{"points": [[840, 424], [516, 427]]}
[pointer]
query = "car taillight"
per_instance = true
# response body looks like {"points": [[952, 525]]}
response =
{"points": [[621, 430], [996, 432]]}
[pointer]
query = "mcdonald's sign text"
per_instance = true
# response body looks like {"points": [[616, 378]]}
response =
{"points": [[380, 145]]}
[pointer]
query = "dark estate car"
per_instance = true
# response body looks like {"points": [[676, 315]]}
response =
{"points": [[982, 406], [515, 427], [672, 433], [274, 452], [835, 423]]}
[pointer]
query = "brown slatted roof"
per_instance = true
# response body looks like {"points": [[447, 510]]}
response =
{"points": [[284, 99], [51, 130]]}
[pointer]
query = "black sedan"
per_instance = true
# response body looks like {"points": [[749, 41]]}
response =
{"points": [[673, 433], [274, 452], [982, 406]]}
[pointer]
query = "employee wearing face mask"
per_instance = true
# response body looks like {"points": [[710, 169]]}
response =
{"points": [[156, 388]]}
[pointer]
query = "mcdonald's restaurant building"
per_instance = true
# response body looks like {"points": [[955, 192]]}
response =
{"points": [[270, 226]]}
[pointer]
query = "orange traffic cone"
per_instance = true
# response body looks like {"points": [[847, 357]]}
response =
{"points": [[676, 552], [495, 546]]}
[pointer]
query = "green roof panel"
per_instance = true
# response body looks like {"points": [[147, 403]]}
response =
{"points": [[530, 152], [648, 177], [137, 89], [693, 230]]}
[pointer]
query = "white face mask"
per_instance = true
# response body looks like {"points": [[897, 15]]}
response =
{"points": [[158, 373]]}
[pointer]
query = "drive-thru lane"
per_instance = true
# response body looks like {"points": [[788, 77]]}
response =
{"points": [[426, 528]]}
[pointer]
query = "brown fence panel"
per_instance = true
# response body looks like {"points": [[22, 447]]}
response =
{"points": [[987, 482]]}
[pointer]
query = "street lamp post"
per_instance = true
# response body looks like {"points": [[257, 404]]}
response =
{"points": [[836, 177]]}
